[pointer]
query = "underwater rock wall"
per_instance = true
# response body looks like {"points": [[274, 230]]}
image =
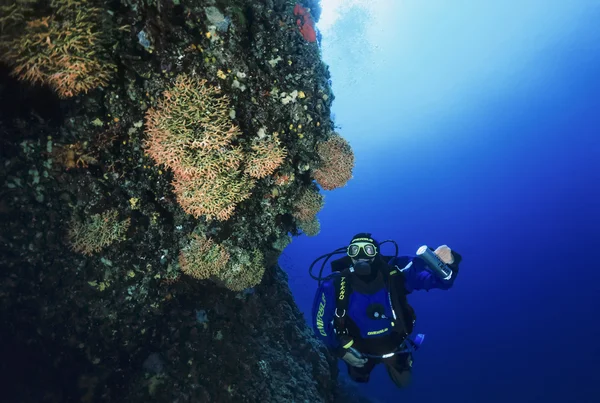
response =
{"points": [[156, 158]]}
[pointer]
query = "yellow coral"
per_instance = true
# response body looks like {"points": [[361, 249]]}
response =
{"points": [[311, 227]]}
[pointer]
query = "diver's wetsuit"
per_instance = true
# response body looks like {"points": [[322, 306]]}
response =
{"points": [[398, 368], [412, 276]]}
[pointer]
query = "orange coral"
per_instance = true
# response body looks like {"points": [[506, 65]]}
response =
{"points": [[283, 179], [96, 232], [215, 198], [61, 50], [266, 157], [337, 162], [244, 270], [308, 205], [190, 132], [203, 258]]}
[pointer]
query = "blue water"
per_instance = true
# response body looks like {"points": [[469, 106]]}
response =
{"points": [[476, 126]]}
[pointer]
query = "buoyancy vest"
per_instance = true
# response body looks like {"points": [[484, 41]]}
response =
{"points": [[372, 310], [356, 309]]}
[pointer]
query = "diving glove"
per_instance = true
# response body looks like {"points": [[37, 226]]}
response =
{"points": [[445, 254], [354, 358]]}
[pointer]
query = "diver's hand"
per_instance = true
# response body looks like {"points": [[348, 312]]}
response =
{"points": [[445, 254], [354, 358]]}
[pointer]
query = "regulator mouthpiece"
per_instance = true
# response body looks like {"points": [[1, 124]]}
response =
{"points": [[362, 268], [436, 265]]}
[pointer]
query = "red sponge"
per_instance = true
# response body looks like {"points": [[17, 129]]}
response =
{"points": [[306, 23]]}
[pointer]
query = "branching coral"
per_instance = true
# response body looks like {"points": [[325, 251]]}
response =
{"points": [[212, 196], [311, 227], [267, 155], [190, 132], [244, 270], [337, 162], [97, 232], [308, 205], [202, 258], [62, 50]]}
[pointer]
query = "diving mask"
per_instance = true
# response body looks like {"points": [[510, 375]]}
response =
{"points": [[361, 249]]}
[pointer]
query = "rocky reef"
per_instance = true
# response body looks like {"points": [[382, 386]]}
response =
{"points": [[156, 158]]}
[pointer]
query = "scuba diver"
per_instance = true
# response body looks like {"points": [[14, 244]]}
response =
{"points": [[361, 311]]}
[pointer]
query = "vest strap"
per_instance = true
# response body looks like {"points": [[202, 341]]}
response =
{"points": [[342, 300]]}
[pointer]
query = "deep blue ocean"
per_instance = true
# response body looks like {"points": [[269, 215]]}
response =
{"points": [[476, 125]]}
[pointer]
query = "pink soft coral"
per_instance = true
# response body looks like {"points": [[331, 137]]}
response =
{"points": [[306, 23]]}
